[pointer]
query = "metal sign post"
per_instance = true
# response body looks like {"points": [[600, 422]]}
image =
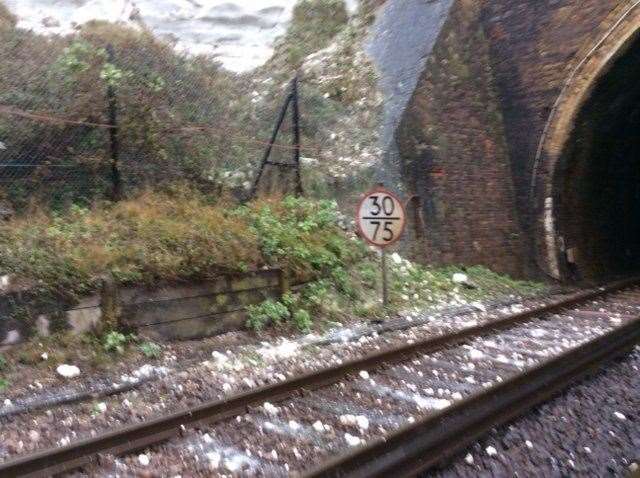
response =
{"points": [[385, 280], [381, 219]]}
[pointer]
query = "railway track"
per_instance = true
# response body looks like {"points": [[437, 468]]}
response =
{"points": [[401, 410]]}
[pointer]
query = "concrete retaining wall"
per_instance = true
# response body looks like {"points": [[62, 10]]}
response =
{"points": [[169, 312]]}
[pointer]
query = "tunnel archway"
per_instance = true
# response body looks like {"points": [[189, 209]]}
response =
{"points": [[586, 182], [597, 180]]}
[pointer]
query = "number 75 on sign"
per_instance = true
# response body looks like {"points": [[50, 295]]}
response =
{"points": [[381, 218]]}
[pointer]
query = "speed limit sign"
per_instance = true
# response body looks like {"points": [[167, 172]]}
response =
{"points": [[381, 218]]}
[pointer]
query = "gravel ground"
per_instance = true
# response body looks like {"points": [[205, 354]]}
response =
{"points": [[591, 430], [296, 434], [172, 386]]}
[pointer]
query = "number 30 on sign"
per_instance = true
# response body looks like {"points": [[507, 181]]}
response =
{"points": [[381, 218]]}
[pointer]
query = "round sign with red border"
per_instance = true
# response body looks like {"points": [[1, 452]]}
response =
{"points": [[381, 218]]}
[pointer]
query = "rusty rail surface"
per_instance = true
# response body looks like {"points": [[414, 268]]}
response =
{"points": [[136, 437]]}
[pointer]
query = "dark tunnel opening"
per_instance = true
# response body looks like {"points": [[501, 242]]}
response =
{"points": [[597, 186]]}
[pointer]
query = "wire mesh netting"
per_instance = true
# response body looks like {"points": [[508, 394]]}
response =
{"points": [[110, 110]]}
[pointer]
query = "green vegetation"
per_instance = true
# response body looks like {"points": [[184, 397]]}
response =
{"points": [[172, 236], [301, 235], [150, 350], [354, 291], [269, 312], [302, 319], [156, 236], [115, 341], [68, 77]]}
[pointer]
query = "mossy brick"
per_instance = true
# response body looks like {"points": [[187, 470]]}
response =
{"points": [[182, 311]]}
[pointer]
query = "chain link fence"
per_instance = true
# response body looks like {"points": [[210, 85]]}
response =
{"points": [[112, 110]]}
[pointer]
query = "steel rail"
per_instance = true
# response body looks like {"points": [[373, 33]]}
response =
{"points": [[135, 437], [419, 447]]}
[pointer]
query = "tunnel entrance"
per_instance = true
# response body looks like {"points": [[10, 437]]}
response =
{"points": [[596, 184]]}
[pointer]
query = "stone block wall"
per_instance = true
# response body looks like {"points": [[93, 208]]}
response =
{"points": [[169, 312], [198, 310]]}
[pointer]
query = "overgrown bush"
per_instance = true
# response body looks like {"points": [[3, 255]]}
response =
{"points": [[268, 312], [162, 98], [301, 235], [289, 309], [173, 236]]}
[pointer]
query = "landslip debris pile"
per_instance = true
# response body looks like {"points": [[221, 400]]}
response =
{"points": [[188, 373], [305, 430]]}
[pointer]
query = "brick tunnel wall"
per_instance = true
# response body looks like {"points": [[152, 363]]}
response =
{"points": [[470, 134]]}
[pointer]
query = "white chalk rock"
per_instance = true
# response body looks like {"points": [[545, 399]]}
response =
{"points": [[143, 459], [68, 371], [460, 278], [352, 440], [219, 357], [214, 459], [294, 425], [491, 451], [363, 422], [270, 409], [318, 426], [348, 419]]}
